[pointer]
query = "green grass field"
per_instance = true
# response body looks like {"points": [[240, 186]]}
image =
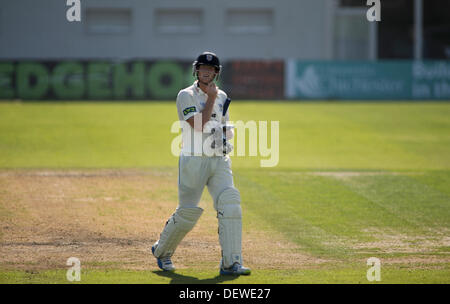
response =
{"points": [[354, 180]]}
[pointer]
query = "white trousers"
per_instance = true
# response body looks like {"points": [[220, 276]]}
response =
{"points": [[196, 172]]}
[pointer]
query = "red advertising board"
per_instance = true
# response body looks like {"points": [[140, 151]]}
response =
{"points": [[255, 79]]}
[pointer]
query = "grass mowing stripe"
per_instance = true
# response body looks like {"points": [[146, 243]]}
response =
{"points": [[337, 136], [271, 210], [363, 132], [312, 135], [315, 212], [86, 135], [438, 180], [329, 203], [327, 216], [421, 206], [415, 128]]}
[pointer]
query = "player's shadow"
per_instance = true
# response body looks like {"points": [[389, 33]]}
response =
{"points": [[177, 278]]}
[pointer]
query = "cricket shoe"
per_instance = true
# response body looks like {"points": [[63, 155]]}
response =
{"points": [[165, 263], [236, 269]]}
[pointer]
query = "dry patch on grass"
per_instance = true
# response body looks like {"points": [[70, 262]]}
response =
{"points": [[344, 174], [347, 174], [109, 219], [98, 217], [409, 249]]}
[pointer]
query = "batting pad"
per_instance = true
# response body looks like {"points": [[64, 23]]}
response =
{"points": [[177, 226], [229, 214]]}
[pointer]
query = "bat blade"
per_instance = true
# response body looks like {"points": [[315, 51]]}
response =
{"points": [[226, 104]]}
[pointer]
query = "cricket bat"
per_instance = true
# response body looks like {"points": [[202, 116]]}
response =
{"points": [[226, 105]]}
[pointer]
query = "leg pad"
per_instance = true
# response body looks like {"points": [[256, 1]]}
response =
{"points": [[177, 226]]}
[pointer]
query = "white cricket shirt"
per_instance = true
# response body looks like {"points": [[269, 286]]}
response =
{"points": [[191, 101]]}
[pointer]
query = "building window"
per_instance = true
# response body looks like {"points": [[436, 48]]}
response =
{"points": [[249, 21], [178, 21], [396, 30], [355, 38], [436, 29], [108, 20]]}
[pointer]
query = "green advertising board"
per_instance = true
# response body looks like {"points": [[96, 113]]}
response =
{"points": [[140, 80], [380, 80], [94, 80]]}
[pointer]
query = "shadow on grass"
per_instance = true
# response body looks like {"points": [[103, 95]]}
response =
{"points": [[177, 278]]}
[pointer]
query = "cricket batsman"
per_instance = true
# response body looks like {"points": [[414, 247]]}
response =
{"points": [[203, 113]]}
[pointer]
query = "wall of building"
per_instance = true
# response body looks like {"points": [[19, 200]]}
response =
{"points": [[176, 29]]}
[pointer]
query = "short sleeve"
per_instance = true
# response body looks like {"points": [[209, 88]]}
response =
{"points": [[186, 106]]}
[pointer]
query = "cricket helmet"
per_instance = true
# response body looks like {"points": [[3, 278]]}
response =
{"points": [[206, 58]]}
